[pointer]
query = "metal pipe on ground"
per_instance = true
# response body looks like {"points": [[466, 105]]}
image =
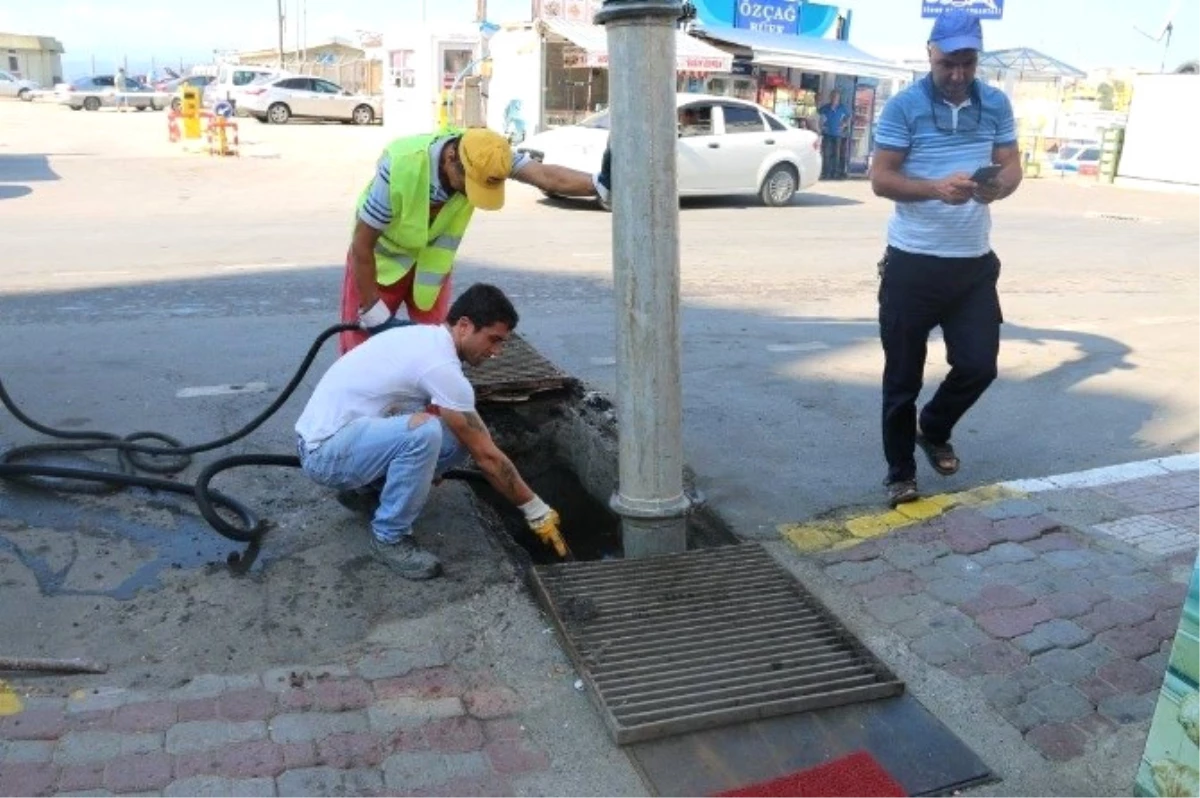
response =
{"points": [[42, 665], [649, 497]]}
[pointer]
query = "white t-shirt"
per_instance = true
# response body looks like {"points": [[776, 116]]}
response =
{"points": [[398, 371]]}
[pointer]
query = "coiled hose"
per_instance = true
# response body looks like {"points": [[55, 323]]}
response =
{"points": [[171, 457]]}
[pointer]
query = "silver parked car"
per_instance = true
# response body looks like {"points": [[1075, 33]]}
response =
{"points": [[93, 93], [278, 99], [13, 86]]}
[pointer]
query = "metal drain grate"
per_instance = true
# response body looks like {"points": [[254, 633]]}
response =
{"points": [[516, 374], [689, 641]]}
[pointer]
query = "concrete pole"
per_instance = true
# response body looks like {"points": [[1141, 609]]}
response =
{"points": [[649, 498], [279, 13]]}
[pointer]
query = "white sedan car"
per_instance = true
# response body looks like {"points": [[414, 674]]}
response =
{"points": [[277, 99], [13, 86], [727, 147]]}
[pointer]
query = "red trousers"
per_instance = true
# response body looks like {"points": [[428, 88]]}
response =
{"points": [[393, 296]]}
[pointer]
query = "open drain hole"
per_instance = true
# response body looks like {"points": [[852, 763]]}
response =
{"points": [[564, 445], [591, 530]]}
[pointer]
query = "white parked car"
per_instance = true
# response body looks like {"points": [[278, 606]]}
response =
{"points": [[727, 147], [231, 80], [278, 99], [13, 86]]}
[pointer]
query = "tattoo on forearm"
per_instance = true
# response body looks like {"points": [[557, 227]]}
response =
{"points": [[474, 422], [508, 475]]}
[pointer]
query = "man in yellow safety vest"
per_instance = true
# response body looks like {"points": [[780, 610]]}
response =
{"points": [[411, 219]]}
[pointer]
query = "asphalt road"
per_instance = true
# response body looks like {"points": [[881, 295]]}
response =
{"points": [[164, 268], [133, 271]]}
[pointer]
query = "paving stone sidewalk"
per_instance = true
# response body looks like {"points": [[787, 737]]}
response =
{"points": [[425, 708], [394, 722], [1058, 603]]}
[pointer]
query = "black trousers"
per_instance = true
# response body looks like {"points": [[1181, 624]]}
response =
{"points": [[916, 294], [833, 157]]}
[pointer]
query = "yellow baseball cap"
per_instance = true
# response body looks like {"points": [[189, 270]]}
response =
{"points": [[487, 160]]}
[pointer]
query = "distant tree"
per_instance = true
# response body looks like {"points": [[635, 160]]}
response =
{"points": [[1188, 68], [1104, 94]]}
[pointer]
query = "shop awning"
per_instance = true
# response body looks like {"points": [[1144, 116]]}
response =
{"points": [[691, 55], [809, 53]]}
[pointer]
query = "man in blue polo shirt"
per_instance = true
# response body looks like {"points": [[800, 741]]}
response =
{"points": [[835, 127], [939, 268]]}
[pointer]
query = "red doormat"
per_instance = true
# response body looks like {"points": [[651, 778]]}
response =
{"points": [[855, 775]]}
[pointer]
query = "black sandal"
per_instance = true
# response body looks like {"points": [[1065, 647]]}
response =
{"points": [[902, 491], [941, 455]]}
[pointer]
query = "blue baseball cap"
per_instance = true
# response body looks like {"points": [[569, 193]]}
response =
{"points": [[956, 29]]}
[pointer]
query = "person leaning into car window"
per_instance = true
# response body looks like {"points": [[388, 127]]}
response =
{"points": [[411, 217], [695, 122], [939, 268]]}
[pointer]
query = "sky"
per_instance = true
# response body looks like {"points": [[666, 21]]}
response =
{"points": [[1085, 33]]}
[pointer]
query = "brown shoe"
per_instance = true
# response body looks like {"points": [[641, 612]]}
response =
{"points": [[941, 456]]}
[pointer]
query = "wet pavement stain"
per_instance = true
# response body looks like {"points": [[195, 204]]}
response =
{"points": [[129, 556]]}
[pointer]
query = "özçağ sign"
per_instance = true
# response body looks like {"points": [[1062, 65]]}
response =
{"points": [[986, 9], [768, 16]]}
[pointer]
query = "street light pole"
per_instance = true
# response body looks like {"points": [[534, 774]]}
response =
{"points": [[643, 139], [279, 13]]}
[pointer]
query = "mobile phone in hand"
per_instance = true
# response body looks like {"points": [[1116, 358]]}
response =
{"points": [[986, 174]]}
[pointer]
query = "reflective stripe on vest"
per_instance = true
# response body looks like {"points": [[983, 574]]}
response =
{"points": [[410, 238], [404, 260], [448, 242]]}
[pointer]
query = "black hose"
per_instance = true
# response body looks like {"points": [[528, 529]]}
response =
{"points": [[172, 458], [133, 455]]}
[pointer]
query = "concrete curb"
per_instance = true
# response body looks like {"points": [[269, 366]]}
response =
{"points": [[851, 529], [1108, 475]]}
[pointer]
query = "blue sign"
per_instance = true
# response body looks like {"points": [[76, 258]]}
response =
{"points": [[985, 9], [768, 16]]}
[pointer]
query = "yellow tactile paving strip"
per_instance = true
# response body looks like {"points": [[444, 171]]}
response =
{"points": [[850, 530]]}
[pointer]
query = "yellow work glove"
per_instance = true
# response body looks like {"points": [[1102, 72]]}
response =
{"points": [[543, 520]]}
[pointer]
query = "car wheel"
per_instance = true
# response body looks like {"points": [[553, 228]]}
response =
{"points": [[176, 104], [363, 115], [75, 107], [261, 118], [25, 96], [139, 108], [91, 103], [779, 186], [279, 114]]}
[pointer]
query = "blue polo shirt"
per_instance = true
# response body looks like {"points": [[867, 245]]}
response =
{"points": [[940, 139], [833, 117]]}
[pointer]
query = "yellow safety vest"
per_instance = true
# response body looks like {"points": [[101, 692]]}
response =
{"points": [[410, 238]]}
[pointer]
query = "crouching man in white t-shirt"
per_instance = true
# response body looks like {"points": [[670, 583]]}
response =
{"points": [[397, 410]]}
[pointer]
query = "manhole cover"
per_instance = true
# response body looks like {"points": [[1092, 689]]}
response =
{"points": [[516, 374], [689, 641]]}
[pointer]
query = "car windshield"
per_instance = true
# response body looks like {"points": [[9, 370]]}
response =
{"points": [[597, 121], [1067, 153]]}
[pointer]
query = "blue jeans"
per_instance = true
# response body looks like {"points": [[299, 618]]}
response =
{"points": [[406, 461]]}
